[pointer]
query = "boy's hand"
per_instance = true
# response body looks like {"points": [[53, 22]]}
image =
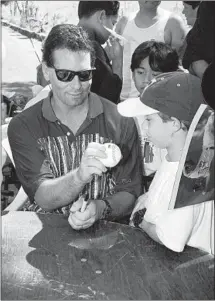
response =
{"points": [[114, 49], [139, 207]]}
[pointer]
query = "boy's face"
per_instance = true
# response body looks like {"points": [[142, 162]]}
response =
{"points": [[109, 22], [157, 131], [190, 13], [149, 4], [143, 75]]}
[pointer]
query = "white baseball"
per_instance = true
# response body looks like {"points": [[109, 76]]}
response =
{"points": [[113, 153]]}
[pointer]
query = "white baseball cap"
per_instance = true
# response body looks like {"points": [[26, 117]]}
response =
{"points": [[133, 107], [176, 94]]}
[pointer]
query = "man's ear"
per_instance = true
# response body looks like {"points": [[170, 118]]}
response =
{"points": [[45, 71]]}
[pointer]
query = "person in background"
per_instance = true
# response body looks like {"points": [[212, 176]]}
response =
{"points": [[150, 59], [200, 49], [190, 11], [94, 16], [170, 104], [107, 79], [40, 76], [150, 22], [208, 85], [57, 143]]}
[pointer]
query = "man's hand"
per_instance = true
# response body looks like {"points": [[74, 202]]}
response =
{"points": [[83, 220], [90, 163], [114, 49]]}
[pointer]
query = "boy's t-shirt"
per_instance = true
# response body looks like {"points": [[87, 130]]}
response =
{"points": [[192, 225]]}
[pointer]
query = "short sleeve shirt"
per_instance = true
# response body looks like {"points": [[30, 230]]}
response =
{"points": [[44, 148], [191, 225]]}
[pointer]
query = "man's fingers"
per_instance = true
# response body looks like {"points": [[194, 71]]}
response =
{"points": [[76, 223], [96, 145], [88, 224], [76, 205], [82, 216], [73, 225], [96, 166], [94, 152]]}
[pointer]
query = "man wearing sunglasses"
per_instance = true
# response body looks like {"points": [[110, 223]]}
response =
{"points": [[57, 143], [94, 16]]}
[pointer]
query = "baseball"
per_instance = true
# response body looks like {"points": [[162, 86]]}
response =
{"points": [[114, 155]]}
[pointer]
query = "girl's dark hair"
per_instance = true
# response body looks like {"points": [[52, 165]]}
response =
{"points": [[87, 8], [194, 4], [162, 57], [67, 36]]}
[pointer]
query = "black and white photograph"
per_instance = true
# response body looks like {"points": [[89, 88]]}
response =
{"points": [[107, 150]]}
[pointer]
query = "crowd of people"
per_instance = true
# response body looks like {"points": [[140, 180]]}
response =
{"points": [[137, 82]]}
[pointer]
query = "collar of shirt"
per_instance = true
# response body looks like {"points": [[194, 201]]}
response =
{"points": [[95, 107]]}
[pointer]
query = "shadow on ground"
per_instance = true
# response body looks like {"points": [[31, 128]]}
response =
{"points": [[23, 88]]}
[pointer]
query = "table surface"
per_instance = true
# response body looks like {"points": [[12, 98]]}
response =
{"points": [[43, 258]]}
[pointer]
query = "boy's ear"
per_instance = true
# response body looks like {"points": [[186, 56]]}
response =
{"points": [[176, 124], [101, 16], [45, 71]]}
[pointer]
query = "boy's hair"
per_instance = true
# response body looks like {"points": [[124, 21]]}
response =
{"points": [[194, 4], [87, 8], [66, 36], [185, 125], [162, 58]]}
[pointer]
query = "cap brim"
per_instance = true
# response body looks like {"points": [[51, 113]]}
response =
{"points": [[133, 107]]}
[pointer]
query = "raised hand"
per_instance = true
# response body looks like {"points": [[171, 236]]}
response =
{"points": [[90, 163]]}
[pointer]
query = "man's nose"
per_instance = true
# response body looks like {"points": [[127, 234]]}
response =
{"points": [[76, 83]]}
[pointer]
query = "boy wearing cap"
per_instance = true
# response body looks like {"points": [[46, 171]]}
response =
{"points": [[169, 103]]}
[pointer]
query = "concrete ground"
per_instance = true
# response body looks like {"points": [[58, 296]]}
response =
{"points": [[20, 62]]}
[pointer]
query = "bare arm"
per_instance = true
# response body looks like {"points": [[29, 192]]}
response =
{"points": [[117, 60], [198, 68], [59, 192], [150, 229], [120, 26], [117, 65], [175, 32]]}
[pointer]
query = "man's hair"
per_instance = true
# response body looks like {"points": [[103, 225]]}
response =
{"points": [[87, 8], [185, 125], [67, 36], [194, 4], [162, 58]]}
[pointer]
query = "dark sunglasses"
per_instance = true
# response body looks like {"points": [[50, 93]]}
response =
{"points": [[68, 75]]}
